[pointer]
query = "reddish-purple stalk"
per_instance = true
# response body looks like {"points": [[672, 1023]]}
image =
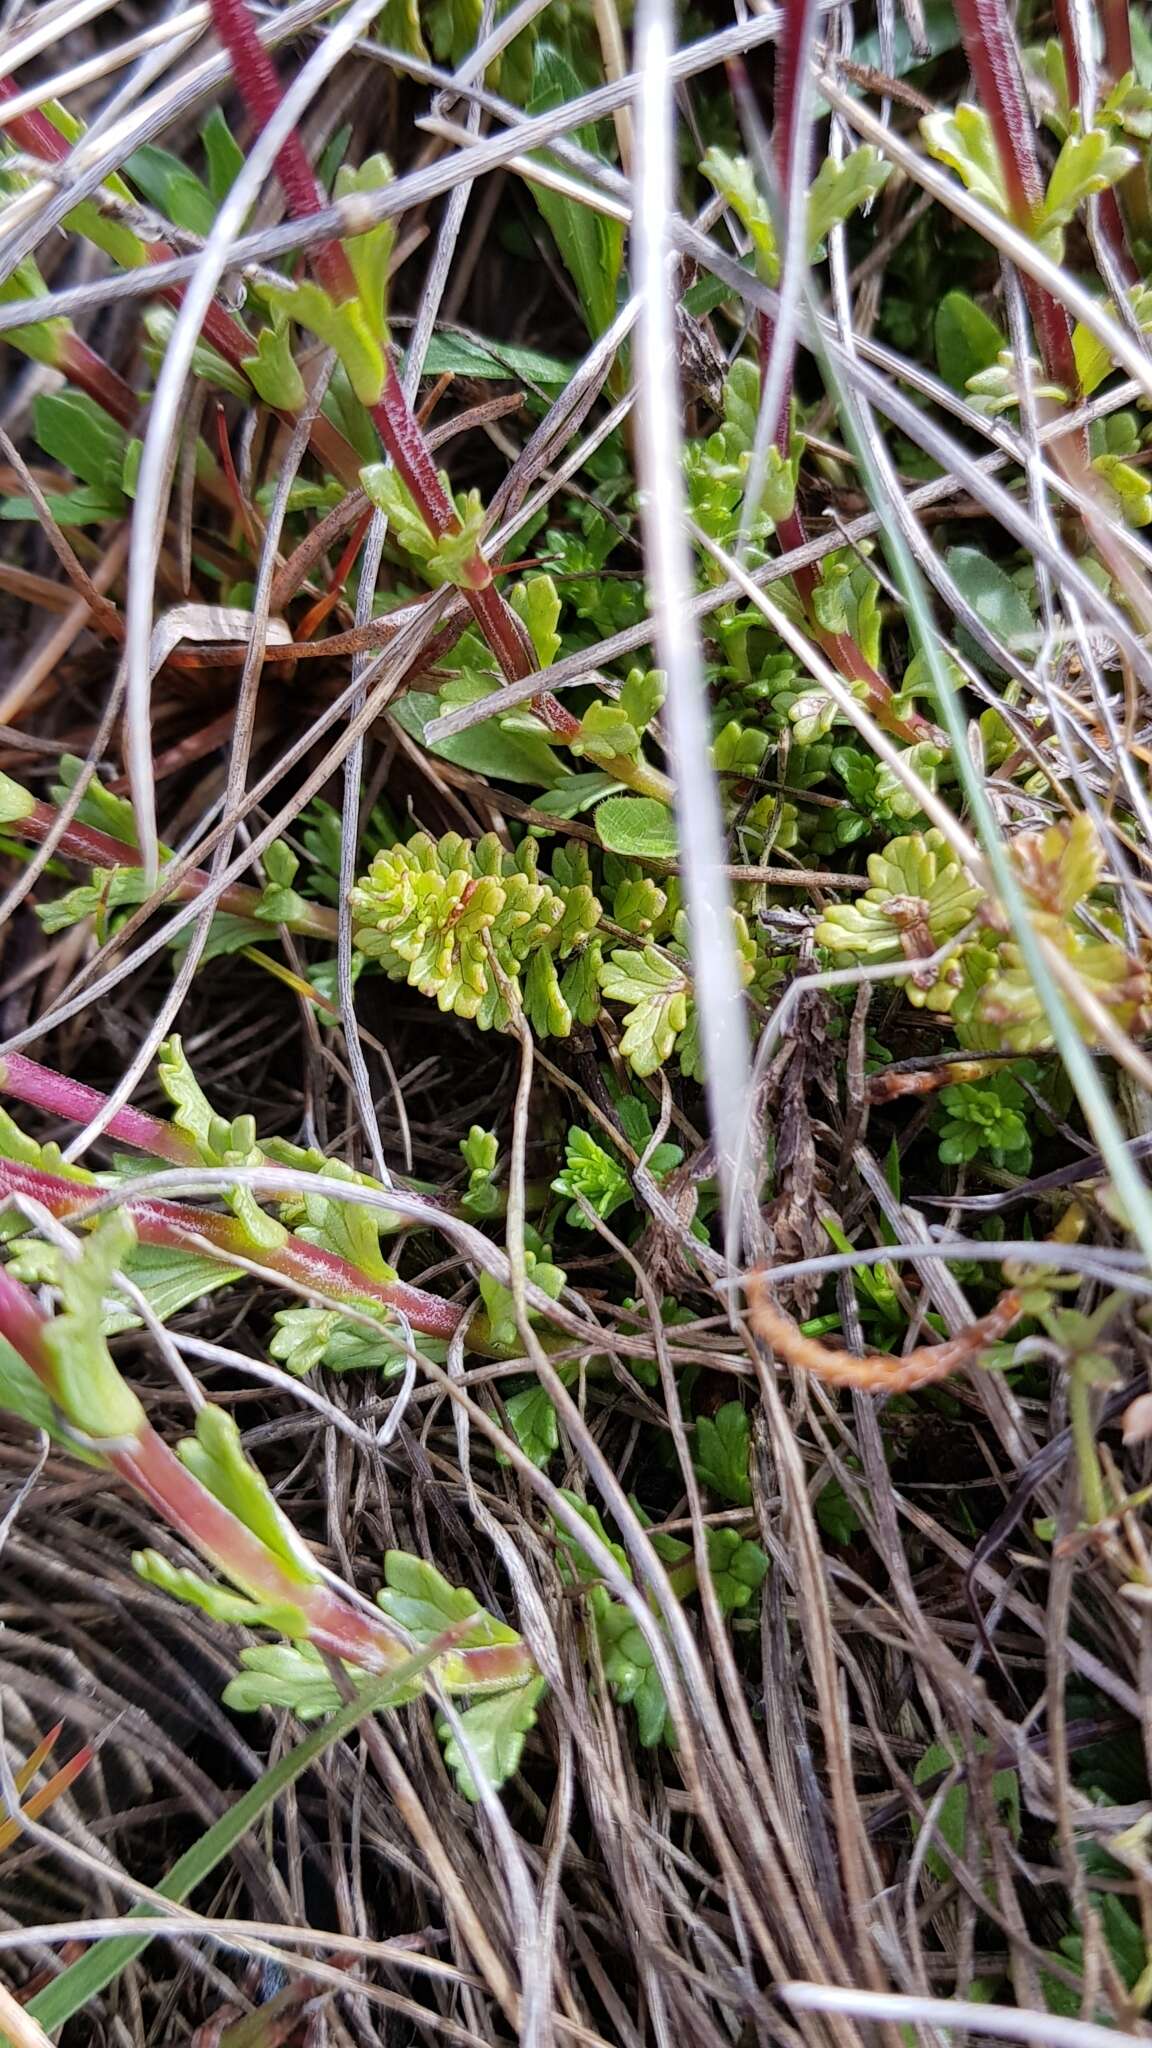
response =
{"points": [[994, 61], [1111, 220], [1118, 63], [154, 1471], [34, 133], [185, 1229], [846, 657], [98, 849], [392, 415], [58, 1095]]}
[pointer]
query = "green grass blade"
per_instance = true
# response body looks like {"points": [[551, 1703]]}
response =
{"points": [[71, 1991]]}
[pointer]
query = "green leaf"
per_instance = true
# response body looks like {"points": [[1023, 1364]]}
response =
{"points": [[952, 1819], [967, 341], [656, 989], [78, 434], [223, 155], [537, 604], [841, 189], [735, 181], [22, 1394], [1087, 163], [169, 1279], [637, 827], [964, 140], [370, 254], [288, 1675], [272, 369], [98, 806], [466, 355], [217, 1458], [307, 1337], [420, 1600], [994, 598], [592, 1172], [592, 247], [16, 802], [738, 1567], [487, 749], [722, 1453], [630, 1669], [172, 189], [236, 1610], [86, 1384], [534, 1423], [495, 1731]]}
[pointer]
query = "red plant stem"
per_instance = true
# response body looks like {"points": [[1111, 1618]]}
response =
{"points": [[1118, 62], [42, 1088], [90, 373], [35, 134], [99, 850], [846, 657], [394, 419], [180, 1228], [994, 61], [1109, 216], [224, 1541]]}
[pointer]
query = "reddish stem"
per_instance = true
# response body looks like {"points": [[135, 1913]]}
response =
{"points": [[994, 61], [196, 1230], [89, 372], [224, 1541], [36, 136], [57, 1095], [395, 422], [1109, 216], [99, 850]]}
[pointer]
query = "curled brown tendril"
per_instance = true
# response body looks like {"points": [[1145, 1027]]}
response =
{"points": [[876, 1372]]}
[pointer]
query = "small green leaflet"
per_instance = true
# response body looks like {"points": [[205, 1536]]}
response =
{"points": [[995, 599], [486, 748], [495, 1731], [420, 1600], [722, 1449], [967, 341], [638, 827]]}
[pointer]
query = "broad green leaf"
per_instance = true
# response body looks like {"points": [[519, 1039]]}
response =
{"points": [[952, 1819], [964, 140], [967, 341], [223, 155], [22, 1394], [994, 598], [288, 1675], [738, 1567], [841, 189], [722, 1452], [656, 989], [1087, 163], [534, 1423], [466, 355], [172, 189], [75, 432], [495, 1731], [98, 806], [592, 247], [537, 604], [169, 1279], [487, 749], [420, 1600], [637, 827]]}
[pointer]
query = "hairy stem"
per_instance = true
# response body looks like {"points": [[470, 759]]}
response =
{"points": [[392, 415], [205, 1231], [58, 1095], [993, 58], [98, 849]]}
